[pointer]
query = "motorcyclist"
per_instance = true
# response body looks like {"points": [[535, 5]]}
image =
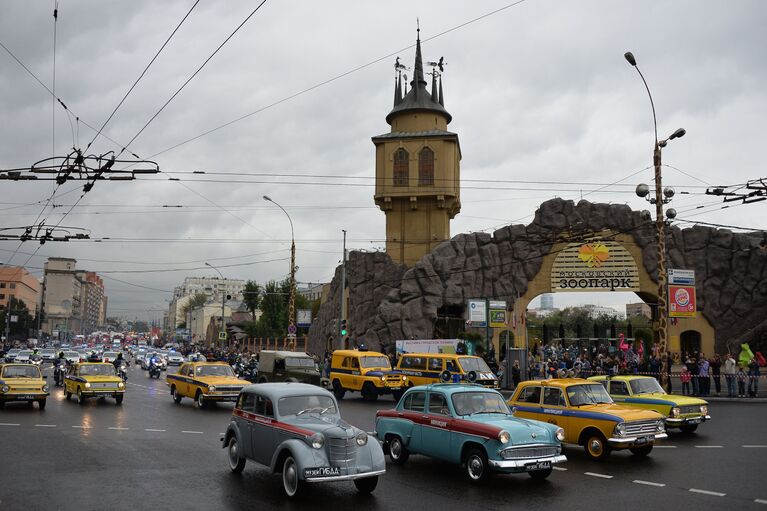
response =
{"points": [[60, 363], [94, 357], [118, 361]]}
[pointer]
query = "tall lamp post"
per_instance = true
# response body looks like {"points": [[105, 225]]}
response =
{"points": [[223, 297], [661, 197], [292, 297]]}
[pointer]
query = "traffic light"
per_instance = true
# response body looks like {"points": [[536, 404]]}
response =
{"points": [[344, 329]]}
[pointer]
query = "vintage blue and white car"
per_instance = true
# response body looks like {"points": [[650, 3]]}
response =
{"points": [[470, 425], [297, 430]]}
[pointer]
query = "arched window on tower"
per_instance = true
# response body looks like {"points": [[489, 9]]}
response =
{"points": [[426, 167], [401, 168]]}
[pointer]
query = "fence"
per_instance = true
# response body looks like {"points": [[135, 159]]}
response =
{"points": [[255, 345]]}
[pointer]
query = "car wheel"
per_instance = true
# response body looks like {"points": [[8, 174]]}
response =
{"points": [[80, 398], [176, 395], [291, 482], [119, 399], [41, 404], [68, 395], [369, 392], [262, 379], [200, 401], [540, 475], [366, 485], [236, 463], [688, 428], [338, 390], [476, 466], [397, 394], [641, 451], [596, 447], [398, 453]]}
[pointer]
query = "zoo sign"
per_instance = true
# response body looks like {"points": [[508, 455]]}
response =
{"points": [[594, 266]]}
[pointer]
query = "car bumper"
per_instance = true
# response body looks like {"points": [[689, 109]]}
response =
{"points": [[521, 464], [31, 396], [229, 396], [102, 392], [635, 441], [348, 477], [683, 421]]}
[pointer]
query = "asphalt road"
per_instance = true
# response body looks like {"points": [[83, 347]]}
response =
{"points": [[150, 453]]}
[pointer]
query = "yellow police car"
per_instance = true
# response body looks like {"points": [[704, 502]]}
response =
{"points": [[93, 379], [22, 382], [205, 382], [426, 368], [366, 372]]}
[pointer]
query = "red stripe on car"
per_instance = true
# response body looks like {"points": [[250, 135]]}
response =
{"points": [[268, 421]]}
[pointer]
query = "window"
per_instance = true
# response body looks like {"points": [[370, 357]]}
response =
{"points": [[2, 285], [13, 285], [438, 404], [247, 402], [347, 362], [553, 397], [264, 407], [618, 388], [426, 167], [418, 363], [435, 364], [451, 366], [415, 402], [2, 296], [530, 395], [401, 168]]}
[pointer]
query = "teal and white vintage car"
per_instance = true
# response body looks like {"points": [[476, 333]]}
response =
{"points": [[470, 425]]}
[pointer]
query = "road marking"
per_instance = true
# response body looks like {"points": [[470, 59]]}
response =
{"points": [[8, 424], [760, 501], [707, 492], [708, 446], [119, 429], [45, 425], [82, 427], [665, 446], [561, 469], [649, 483], [193, 432], [594, 474], [754, 446], [156, 430]]}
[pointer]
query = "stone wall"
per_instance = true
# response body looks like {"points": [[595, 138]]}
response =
{"points": [[389, 302]]}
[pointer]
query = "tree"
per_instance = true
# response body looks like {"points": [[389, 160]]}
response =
{"points": [[252, 297], [197, 300], [20, 328], [274, 309]]}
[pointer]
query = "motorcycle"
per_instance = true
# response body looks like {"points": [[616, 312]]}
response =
{"points": [[58, 375], [154, 371], [239, 369], [122, 372]]}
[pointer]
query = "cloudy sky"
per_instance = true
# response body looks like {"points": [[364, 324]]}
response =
{"points": [[543, 101]]}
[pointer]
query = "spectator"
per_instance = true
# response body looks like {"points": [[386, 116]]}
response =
{"points": [[741, 377], [716, 369], [729, 374], [704, 385], [753, 378], [516, 376], [685, 377]]}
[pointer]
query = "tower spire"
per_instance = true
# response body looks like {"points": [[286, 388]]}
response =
{"points": [[418, 79]]}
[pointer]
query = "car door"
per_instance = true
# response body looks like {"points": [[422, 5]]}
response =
{"points": [[414, 409], [554, 408], [186, 381], [246, 405], [528, 403], [618, 390], [263, 438], [435, 431]]}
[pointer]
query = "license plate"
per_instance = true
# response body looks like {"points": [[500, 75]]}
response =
{"points": [[693, 421], [541, 465], [322, 472], [644, 439], [25, 397], [233, 398]]}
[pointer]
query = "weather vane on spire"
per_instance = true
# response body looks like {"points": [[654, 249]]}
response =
{"points": [[440, 64]]}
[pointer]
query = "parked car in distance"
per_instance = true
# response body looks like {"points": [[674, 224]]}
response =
{"points": [[425, 368], [683, 412], [287, 366], [471, 426], [72, 357], [296, 430], [11, 355], [175, 358], [47, 354], [24, 357]]}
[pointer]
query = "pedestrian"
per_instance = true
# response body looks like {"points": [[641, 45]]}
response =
{"points": [[516, 375], [730, 368], [716, 370], [753, 378], [704, 385], [741, 377], [692, 366], [685, 377]]}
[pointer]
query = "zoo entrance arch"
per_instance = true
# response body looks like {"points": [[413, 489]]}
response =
{"points": [[600, 265]]}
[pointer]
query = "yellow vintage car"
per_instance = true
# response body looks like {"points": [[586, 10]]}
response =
{"points": [[426, 368], [93, 379], [22, 382], [205, 382], [367, 372], [588, 415], [683, 412]]}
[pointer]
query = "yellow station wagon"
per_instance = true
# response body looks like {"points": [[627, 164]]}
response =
{"points": [[588, 415], [205, 382], [426, 368], [367, 372], [683, 412], [22, 382], [93, 379]]}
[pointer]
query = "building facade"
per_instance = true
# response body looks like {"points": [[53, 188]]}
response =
{"points": [[200, 319], [212, 287], [312, 292], [62, 294], [16, 282], [634, 310]]}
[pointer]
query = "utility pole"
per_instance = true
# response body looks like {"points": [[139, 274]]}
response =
{"points": [[343, 290]]}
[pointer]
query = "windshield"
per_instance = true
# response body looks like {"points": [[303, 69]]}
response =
{"points": [[475, 364], [110, 354], [47, 352], [24, 353], [301, 405], [470, 403], [25, 371], [299, 362], [72, 354], [217, 370], [379, 361], [646, 386], [97, 370], [588, 394]]}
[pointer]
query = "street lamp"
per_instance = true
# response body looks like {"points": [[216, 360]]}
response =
{"points": [[661, 197], [292, 297], [223, 297]]}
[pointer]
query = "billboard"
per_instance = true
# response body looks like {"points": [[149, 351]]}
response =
{"points": [[497, 313], [477, 312], [681, 301]]}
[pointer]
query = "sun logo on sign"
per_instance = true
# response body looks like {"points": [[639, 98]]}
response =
{"points": [[594, 254]]}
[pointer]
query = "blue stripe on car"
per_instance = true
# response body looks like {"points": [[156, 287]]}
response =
{"points": [[569, 413]]}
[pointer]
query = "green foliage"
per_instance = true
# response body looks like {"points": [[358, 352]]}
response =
{"points": [[573, 317], [252, 297], [274, 309], [197, 300], [19, 329]]}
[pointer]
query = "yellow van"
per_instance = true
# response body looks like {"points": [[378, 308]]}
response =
{"points": [[426, 368], [367, 372]]}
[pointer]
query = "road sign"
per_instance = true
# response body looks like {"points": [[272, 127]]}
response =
{"points": [[222, 336], [478, 312], [682, 277], [292, 329], [304, 317]]}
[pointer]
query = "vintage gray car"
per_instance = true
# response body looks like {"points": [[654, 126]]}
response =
{"points": [[287, 366], [297, 431]]}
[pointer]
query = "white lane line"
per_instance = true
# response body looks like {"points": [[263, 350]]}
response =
{"points": [[561, 469], [156, 430], [707, 492], [709, 446], [760, 501], [8, 424], [45, 425], [594, 474], [82, 427], [649, 483], [754, 446], [665, 447], [119, 429], [193, 432]]}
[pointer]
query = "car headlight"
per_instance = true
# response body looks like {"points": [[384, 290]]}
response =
{"points": [[383, 378], [620, 429], [675, 411], [704, 409], [212, 388], [504, 437], [87, 385], [120, 385], [317, 441], [659, 425], [560, 434], [45, 388], [362, 438], [5, 388]]}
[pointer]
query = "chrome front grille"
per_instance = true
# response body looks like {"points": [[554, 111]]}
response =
{"points": [[228, 388], [684, 410], [342, 452], [104, 385], [641, 428], [533, 451]]}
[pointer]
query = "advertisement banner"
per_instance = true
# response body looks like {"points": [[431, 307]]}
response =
{"points": [[681, 301], [498, 316], [477, 312]]}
